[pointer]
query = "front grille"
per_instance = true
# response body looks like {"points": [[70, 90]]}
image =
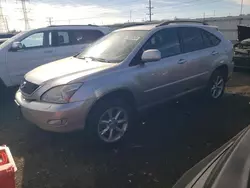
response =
{"points": [[27, 87]]}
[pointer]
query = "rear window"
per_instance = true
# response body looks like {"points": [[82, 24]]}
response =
{"points": [[63, 38], [191, 39], [74, 37], [209, 39]]}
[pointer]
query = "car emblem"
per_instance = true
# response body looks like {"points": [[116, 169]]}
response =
{"points": [[23, 85]]}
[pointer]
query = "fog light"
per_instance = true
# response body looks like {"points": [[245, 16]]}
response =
{"points": [[57, 122]]}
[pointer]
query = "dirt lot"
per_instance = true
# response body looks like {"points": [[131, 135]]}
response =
{"points": [[169, 139]]}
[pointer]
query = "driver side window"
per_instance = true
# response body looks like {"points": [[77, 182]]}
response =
{"points": [[166, 41], [33, 41]]}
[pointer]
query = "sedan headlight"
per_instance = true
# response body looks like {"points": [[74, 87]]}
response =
{"points": [[60, 94]]}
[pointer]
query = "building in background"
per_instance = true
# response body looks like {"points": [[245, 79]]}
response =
{"points": [[227, 25]]}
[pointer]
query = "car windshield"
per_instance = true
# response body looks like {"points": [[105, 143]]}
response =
{"points": [[115, 47]]}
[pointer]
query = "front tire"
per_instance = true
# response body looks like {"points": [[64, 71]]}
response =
{"points": [[109, 121], [216, 85]]}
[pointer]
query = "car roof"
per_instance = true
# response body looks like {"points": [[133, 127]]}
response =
{"points": [[177, 24], [69, 27], [140, 27]]}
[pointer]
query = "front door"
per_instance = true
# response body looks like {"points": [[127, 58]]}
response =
{"points": [[63, 45], [35, 51], [160, 80]]}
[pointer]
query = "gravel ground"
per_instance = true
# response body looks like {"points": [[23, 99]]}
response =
{"points": [[169, 140]]}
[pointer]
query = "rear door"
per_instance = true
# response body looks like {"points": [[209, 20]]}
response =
{"points": [[63, 45], [36, 51], [212, 46], [197, 57]]}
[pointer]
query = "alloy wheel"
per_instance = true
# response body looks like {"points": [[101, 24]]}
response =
{"points": [[217, 87], [113, 124]]}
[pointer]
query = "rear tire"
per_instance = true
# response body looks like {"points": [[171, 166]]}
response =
{"points": [[109, 121], [216, 85]]}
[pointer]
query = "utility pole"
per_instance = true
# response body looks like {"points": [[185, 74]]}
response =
{"points": [[241, 7], [3, 21], [150, 10], [130, 15], [50, 20], [6, 24], [25, 14], [204, 16]]}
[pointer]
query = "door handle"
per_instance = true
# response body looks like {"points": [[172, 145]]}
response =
{"points": [[214, 53], [182, 61], [48, 51]]}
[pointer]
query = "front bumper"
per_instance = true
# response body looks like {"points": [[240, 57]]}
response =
{"points": [[55, 117]]}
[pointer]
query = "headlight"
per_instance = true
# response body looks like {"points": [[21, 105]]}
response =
{"points": [[60, 94]]}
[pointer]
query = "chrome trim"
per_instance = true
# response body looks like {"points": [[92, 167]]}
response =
{"points": [[165, 85]]}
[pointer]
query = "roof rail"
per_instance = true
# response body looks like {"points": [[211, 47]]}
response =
{"points": [[71, 25], [181, 21]]}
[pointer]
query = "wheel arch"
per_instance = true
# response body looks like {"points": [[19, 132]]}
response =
{"points": [[121, 93], [224, 69]]}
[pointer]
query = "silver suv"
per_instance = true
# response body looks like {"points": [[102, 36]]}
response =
{"points": [[126, 71]]}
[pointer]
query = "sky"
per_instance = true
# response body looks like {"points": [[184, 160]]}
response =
{"points": [[114, 11]]}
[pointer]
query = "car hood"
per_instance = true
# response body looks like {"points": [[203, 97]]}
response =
{"points": [[71, 67], [227, 167]]}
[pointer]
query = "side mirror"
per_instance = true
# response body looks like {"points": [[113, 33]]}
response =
{"points": [[16, 46], [151, 55]]}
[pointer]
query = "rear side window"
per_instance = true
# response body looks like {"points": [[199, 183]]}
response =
{"points": [[85, 36], [191, 39], [63, 38], [210, 40]]}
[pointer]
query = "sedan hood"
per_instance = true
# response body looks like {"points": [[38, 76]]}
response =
{"points": [[227, 167], [65, 67]]}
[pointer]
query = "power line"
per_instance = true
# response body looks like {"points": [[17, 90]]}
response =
{"points": [[109, 4], [85, 18], [187, 5], [150, 11]]}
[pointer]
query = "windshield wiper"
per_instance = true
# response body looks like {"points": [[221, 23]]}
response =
{"points": [[95, 59]]}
